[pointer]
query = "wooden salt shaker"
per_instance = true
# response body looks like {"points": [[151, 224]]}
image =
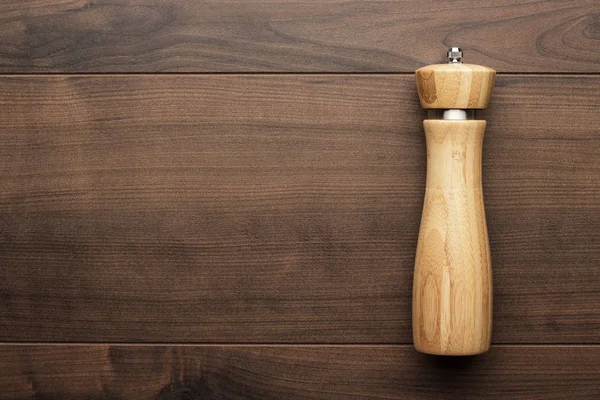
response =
{"points": [[452, 290]]}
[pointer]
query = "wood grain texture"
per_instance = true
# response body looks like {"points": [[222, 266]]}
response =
{"points": [[452, 289], [279, 208], [458, 85], [277, 35], [295, 372]]}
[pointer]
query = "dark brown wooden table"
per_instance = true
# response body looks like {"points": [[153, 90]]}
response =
{"points": [[221, 200]]}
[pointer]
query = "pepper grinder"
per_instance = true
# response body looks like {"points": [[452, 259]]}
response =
{"points": [[452, 288]]}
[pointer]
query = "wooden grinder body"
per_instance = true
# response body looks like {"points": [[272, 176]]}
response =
{"points": [[452, 289]]}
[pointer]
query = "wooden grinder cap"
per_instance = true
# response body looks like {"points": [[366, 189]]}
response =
{"points": [[455, 85]]}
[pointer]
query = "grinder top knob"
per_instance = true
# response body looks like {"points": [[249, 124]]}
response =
{"points": [[455, 55], [455, 85]]}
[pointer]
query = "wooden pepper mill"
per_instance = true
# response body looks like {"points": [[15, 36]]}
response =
{"points": [[452, 291]]}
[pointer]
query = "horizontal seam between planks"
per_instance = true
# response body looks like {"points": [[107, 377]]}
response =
{"points": [[300, 73], [250, 344]]}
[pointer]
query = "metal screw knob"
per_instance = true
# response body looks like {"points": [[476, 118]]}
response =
{"points": [[455, 55]]}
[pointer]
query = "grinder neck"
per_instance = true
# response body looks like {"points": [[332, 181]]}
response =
{"points": [[452, 114]]}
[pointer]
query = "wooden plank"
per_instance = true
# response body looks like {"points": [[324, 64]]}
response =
{"points": [[278, 35], [278, 208], [295, 372]]}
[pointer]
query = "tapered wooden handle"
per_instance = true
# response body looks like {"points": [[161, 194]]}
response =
{"points": [[452, 292]]}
